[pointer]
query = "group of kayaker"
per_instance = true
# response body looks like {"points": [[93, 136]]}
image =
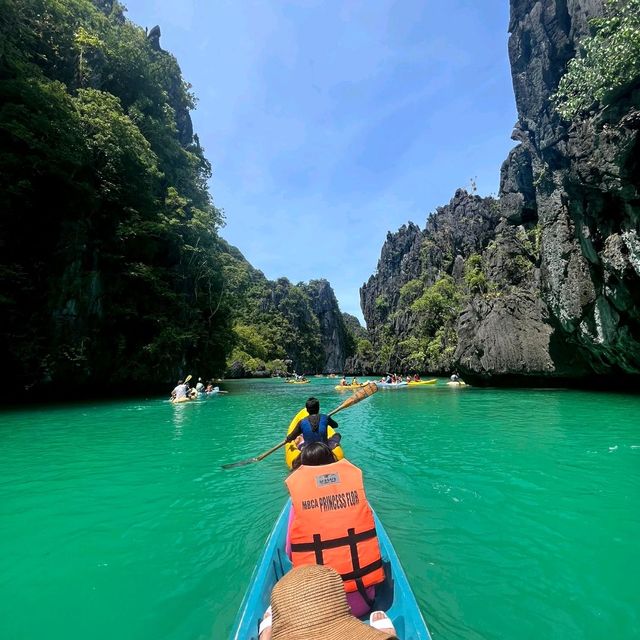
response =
{"points": [[184, 391], [330, 524], [395, 378], [297, 377], [344, 383]]}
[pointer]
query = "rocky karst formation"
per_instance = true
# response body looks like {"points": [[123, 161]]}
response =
{"points": [[283, 327], [334, 337], [461, 228], [563, 262]]}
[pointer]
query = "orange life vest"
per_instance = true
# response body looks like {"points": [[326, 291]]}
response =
{"points": [[333, 524]]}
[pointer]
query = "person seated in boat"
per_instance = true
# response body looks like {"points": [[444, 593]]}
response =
{"points": [[408, 378], [309, 602], [416, 377], [314, 427], [180, 391], [209, 387], [389, 378], [354, 382], [455, 377], [343, 382], [199, 386], [331, 519]]}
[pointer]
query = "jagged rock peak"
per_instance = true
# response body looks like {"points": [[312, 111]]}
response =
{"points": [[333, 333], [154, 38]]}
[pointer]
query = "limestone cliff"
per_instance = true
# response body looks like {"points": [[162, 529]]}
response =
{"points": [[414, 260], [560, 299], [282, 327], [336, 340], [580, 183]]}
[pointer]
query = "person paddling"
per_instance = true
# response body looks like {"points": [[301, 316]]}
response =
{"points": [[314, 427], [180, 391]]}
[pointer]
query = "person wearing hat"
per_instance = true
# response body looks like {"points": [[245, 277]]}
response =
{"points": [[328, 618]]}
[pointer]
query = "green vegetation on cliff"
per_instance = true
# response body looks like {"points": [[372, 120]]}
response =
{"points": [[275, 326], [608, 61], [110, 270]]}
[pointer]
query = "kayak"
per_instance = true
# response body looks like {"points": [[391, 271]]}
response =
{"points": [[341, 387], [392, 385], [394, 595], [459, 383], [291, 452], [420, 383], [297, 381]]}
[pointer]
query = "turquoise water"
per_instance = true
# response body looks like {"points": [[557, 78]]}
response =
{"points": [[516, 513]]}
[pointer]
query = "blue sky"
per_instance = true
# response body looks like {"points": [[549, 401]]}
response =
{"points": [[329, 123]]}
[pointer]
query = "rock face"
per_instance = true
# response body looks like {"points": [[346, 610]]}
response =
{"points": [[581, 184], [334, 336], [461, 228], [453, 232], [562, 253], [399, 262]]}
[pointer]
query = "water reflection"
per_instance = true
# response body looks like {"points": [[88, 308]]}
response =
{"points": [[178, 419]]}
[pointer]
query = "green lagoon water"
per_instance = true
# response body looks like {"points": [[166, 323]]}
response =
{"points": [[516, 513]]}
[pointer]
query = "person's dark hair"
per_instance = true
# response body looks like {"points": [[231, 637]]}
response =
{"points": [[312, 405], [316, 454]]}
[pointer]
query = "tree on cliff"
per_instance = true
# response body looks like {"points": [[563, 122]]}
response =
{"points": [[607, 62], [110, 270]]}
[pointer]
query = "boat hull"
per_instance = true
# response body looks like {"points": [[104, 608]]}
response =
{"points": [[394, 595], [422, 383]]}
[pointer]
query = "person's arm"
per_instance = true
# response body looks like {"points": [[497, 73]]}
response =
{"points": [[297, 431], [332, 423]]}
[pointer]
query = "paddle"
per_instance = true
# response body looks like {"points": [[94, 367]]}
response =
{"points": [[359, 394]]}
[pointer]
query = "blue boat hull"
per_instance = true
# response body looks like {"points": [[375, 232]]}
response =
{"points": [[394, 596]]}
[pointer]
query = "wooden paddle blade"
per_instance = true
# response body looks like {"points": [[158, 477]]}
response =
{"points": [[367, 390], [359, 394]]}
